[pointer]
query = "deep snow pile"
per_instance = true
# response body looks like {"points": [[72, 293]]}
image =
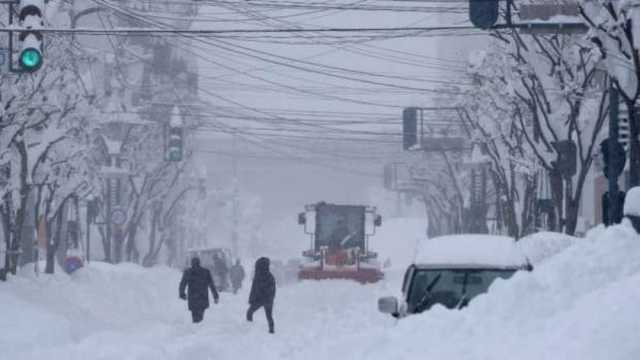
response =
{"points": [[632, 202], [543, 245], [580, 304]]}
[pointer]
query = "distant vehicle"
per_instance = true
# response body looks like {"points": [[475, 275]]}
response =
{"points": [[207, 256], [452, 270], [340, 242]]}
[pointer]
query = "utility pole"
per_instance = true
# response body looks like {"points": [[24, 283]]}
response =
{"points": [[236, 210]]}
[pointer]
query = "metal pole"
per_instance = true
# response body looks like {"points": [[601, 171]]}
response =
{"points": [[108, 221], [614, 118], [88, 230], [10, 55], [634, 146]]}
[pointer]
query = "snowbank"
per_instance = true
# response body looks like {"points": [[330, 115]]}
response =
{"points": [[580, 304], [543, 245], [632, 202], [56, 311]]}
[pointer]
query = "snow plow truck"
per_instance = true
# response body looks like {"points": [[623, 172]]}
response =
{"points": [[339, 246]]}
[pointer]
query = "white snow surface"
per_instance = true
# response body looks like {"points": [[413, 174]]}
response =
{"points": [[580, 303], [632, 202], [470, 250], [541, 246]]}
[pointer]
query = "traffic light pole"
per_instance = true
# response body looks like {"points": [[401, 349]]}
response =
{"points": [[634, 146], [613, 202], [10, 55]]}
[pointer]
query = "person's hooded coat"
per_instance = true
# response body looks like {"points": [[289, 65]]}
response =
{"points": [[198, 281], [263, 288]]}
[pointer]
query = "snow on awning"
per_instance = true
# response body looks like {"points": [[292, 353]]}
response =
{"points": [[470, 251]]}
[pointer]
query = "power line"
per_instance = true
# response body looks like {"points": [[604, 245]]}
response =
{"points": [[157, 31]]}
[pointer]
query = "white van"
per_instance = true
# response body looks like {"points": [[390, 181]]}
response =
{"points": [[452, 270]]}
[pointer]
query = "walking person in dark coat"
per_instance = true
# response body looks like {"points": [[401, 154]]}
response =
{"points": [[263, 292], [236, 273], [198, 281]]}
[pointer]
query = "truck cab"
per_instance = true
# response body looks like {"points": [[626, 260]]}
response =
{"points": [[339, 246], [452, 270]]}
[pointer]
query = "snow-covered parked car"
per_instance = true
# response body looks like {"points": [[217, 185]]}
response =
{"points": [[452, 270]]}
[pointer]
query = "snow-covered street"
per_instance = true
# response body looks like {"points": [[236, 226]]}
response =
{"points": [[578, 304], [118, 312]]}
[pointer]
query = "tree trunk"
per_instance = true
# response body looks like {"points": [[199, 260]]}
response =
{"points": [[25, 188], [557, 194], [106, 246], [6, 228], [118, 241], [511, 218], [52, 244], [528, 208], [147, 261], [131, 249]]}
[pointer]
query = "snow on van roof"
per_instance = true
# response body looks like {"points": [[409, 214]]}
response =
{"points": [[470, 250]]}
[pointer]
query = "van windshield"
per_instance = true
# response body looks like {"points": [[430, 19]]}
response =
{"points": [[450, 288]]}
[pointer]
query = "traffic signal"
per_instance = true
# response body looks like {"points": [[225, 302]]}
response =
{"points": [[409, 127], [624, 131], [483, 13], [175, 143], [618, 159], [31, 20]]}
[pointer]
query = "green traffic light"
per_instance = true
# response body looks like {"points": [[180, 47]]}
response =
{"points": [[175, 154], [30, 59]]}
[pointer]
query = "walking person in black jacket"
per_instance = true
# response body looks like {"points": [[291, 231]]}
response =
{"points": [[263, 292], [198, 280]]}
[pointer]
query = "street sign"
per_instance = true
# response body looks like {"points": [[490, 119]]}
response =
{"points": [[118, 216], [420, 172], [442, 144], [551, 18], [399, 177], [548, 11]]}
